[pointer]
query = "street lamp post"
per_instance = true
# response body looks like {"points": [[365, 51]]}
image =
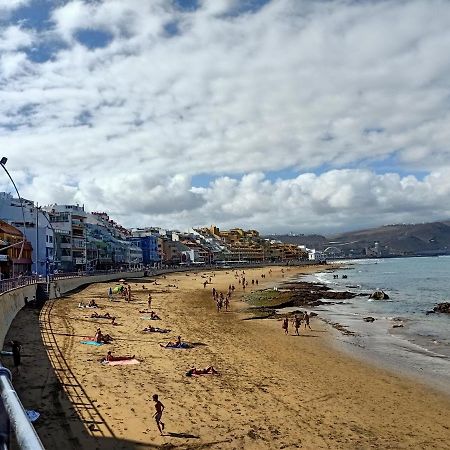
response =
{"points": [[3, 162]]}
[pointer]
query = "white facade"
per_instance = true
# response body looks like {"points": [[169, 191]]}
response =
{"points": [[38, 230], [315, 255], [69, 224]]}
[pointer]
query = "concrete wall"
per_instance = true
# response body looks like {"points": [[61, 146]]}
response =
{"points": [[12, 302], [62, 286]]}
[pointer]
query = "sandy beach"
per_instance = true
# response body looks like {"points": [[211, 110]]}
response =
{"points": [[273, 391]]}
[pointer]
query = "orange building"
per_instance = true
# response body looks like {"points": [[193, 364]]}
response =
{"points": [[12, 263]]}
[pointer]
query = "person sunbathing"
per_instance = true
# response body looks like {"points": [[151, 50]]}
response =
{"points": [[177, 344], [96, 315], [92, 304], [151, 329], [109, 357], [154, 316], [102, 338], [207, 371]]}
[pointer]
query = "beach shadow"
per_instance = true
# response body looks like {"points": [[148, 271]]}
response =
{"points": [[66, 409], [198, 344], [181, 435], [304, 335]]}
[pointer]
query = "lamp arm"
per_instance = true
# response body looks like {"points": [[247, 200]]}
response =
{"points": [[21, 207]]}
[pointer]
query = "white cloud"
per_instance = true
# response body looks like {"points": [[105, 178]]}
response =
{"points": [[327, 86], [10, 5]]}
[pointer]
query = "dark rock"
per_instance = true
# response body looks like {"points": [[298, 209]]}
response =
{"points": [[397, 325], [442, 308], [430, 312], [369, 319], [379, 295]]}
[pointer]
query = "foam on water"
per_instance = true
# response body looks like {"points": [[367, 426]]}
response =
{"points": [[415, 285]]}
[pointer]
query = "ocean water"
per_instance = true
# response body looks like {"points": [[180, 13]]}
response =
{"points": [[421, 347]]}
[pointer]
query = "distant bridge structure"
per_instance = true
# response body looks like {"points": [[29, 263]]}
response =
{"points": [[336, 245]]}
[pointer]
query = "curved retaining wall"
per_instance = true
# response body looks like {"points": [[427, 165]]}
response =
{"points": [[64, 285], [12, 302]]}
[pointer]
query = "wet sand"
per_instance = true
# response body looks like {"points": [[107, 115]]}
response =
{"points": [[274, 391]]}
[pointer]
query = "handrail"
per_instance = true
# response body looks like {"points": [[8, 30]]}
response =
{"points": [[26, 436], [13, 283]]}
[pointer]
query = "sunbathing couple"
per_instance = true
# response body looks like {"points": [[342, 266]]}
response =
{"points": [[177, 344], [109, 357], [104, 316], [207, 371], [102, 338], [91, 304], [153, 315], [151, 329]]}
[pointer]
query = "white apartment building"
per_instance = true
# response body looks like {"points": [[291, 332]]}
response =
{"points": [[70, 229], [37, 228]]}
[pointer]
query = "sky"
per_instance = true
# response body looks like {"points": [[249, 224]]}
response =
{"points": [[280, 115]]}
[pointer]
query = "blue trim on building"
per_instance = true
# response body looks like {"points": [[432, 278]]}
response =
{"points": [[149, 246]]}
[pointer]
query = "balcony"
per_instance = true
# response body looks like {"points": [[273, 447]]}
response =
{"points": [[79, 244], [77, 223]]}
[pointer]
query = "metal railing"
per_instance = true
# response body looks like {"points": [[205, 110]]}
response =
{"points": [[13, 415], [14, 283]]}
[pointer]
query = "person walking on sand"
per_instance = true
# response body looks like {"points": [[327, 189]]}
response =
{"points": [[16, 349], [159, 407], [149, 300], [297, 323], [306, 319], [286, 325]]}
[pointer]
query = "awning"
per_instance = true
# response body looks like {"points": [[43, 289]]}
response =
{"points": [[22, 261]]}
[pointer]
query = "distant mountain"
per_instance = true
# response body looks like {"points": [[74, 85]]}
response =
{"points": [[390, 240]]}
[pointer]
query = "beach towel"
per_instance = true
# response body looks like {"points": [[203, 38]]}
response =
{"points": [[157, 330], [127, 362], [189, 374], [32, 415], [97, 344]]}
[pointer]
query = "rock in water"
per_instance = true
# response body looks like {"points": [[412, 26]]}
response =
{"points": [[369, 319], [442, 307], [379, 295]]}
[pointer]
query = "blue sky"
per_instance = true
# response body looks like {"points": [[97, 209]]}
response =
{"points": [[271, 114]]}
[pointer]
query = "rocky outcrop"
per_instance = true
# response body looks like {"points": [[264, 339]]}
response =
{"points": [[442, 308], [314, 294], [379, 295], [369, 319]]}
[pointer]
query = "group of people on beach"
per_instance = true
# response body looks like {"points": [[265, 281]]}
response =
{"points": [[222, 301], [296, 323]]}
